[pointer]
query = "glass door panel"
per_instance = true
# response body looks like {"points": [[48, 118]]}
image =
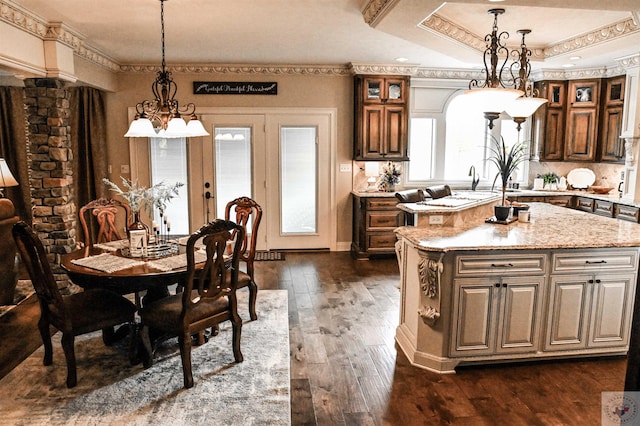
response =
{"points": [[298, 171], [169, 165], [233, 163]]}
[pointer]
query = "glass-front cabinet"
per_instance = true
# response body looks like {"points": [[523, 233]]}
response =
{"points": [[381, 117]]}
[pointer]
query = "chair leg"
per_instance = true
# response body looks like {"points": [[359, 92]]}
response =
{"points": [[253, 296], [70, 356], [147, 350], [45, 333], [185, 352], [108, 336], [237, 331]]}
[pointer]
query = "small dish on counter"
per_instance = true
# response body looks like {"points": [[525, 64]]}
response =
{"points": [[601, 189], [518, 207]]}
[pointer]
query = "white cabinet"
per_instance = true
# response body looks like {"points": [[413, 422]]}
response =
{"points": [[496, 316], [591, 300]]}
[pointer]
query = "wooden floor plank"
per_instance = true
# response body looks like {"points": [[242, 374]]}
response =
{"points": [[346, 368]]}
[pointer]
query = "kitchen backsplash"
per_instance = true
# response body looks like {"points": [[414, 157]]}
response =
{"points": [[606, 174]]}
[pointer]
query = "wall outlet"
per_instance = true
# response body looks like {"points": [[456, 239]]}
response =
{"points": [[436, 219], [124, 168], [345, 167]]}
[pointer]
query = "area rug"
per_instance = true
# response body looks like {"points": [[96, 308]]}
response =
{"points": [[24, 289], [112, 392], [269, 255]]}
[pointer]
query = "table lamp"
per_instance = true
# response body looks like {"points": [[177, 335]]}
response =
{"points": [[371, 171], [6, 178]]}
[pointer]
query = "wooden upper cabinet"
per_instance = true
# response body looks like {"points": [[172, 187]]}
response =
{"points": [[611, 146], [554, 118], [385, 90], [583, 97], [381, 118]]}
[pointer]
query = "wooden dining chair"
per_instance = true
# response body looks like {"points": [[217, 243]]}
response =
{"points": [[73, 315], [248, 214], [208, 297], [99, 220]]}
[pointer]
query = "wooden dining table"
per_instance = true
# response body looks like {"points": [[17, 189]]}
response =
{"points": [[139, 278]]}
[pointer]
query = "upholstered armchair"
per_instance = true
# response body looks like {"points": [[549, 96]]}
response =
{"points": [[8, 265]]}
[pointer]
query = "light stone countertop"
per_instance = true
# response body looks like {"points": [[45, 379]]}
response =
{"points": [[613, 196], [551, 227], [457, 201]]}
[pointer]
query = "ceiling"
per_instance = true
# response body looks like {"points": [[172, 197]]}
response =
{"points": [[428, 33]]}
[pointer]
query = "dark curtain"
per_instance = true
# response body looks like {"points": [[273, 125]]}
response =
{"points": [[13, 148], [88, 143], [89, 146]]}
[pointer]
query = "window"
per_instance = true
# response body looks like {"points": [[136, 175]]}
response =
{"points": [[442, 148], [169, 165]]}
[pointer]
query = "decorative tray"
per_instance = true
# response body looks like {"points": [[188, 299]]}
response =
{"points": [[493, 219], [153, 251]]}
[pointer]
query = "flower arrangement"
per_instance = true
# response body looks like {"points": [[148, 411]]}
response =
{"points": [[139, 197], [390, 176]]}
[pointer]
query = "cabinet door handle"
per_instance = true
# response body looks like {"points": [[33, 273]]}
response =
{"points": [[589, 262], [597, 281], [497, 285], [590, 281], [504, 285], [502, 265]]}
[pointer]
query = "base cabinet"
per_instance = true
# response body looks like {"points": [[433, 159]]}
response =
{"points": [[374, 219], [588, 311], [499, 315], [591, 300]]}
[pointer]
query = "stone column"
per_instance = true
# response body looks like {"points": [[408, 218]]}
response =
{"points": [[54, 210]]}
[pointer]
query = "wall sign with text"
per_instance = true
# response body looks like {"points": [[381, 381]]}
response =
{"points": [[234, 88]]}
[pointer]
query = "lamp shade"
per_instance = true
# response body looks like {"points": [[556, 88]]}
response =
{"points": [[6, 178], [195, 128], [523, 107], [141, 128], [176, 128], [492, 99]]}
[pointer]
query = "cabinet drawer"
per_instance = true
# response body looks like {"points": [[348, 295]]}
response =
{"points": [[384, 220], [585, 204], [381, 203], [603, 208], [627, 212], [595, 261], [384, 241], [512, 264]]}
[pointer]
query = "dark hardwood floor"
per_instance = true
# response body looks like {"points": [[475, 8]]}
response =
{"points": [[346, 370]]}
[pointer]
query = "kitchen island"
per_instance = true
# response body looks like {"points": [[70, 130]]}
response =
{"points": [[562, 285]]}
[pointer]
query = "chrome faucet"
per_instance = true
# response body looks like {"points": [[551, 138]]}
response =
{"points": [[475, 179]]}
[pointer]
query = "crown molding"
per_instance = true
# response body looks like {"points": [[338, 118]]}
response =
{"points": [[461, 35], [389, 69], [23, 19], [597, 36], [267, 69], [375, 10]]}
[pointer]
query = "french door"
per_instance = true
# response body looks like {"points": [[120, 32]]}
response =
{"points": [[281, 160]]}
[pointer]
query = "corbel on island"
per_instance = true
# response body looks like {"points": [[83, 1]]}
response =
{"points": [[560, 286]]}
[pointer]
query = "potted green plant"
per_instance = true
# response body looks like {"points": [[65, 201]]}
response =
{"points": [[550, 180], [507, 161]]}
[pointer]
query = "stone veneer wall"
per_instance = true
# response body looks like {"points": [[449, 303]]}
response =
{"points": [[54, 211]]}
